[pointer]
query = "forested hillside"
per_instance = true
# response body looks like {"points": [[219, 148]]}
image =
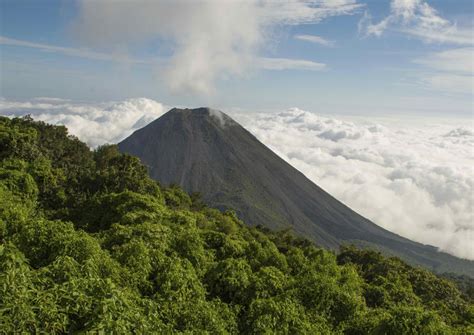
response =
{"points": [[89, 242]]}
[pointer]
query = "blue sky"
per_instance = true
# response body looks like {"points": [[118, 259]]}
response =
{"points": [[344, 56]]}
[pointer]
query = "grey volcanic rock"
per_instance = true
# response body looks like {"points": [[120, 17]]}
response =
{"points": [[205, 151]]}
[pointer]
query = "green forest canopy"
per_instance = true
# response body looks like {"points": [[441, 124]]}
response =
{"points": [[89, 242]]}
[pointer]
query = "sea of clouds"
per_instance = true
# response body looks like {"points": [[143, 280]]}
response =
{"points": [[95, 124], [413, 177]]}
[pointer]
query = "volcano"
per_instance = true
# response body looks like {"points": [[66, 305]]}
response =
{"points": [[204, 150]]}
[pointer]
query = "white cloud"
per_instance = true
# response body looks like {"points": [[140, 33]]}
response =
{"points": [[450, 35], [75, 52], [51, 100], [460, 132], [366, 27], [449, 70], [315, 39], [305, 11], [459, 60], [418, 19], [265, 63], [449, 83], [93, 123], [413, 178], [210, 40], [289, 64]]}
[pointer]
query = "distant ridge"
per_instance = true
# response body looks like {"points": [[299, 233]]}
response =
{"points": [[204, 150]]}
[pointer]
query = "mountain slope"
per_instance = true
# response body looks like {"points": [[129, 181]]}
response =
{"points": [[205, 151]]}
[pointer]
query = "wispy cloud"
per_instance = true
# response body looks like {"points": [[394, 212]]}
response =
{"points": [[450, 35], [449, 71], [289, 64], [449, 83], [74, 52], [263, 63], [418, 19], [315, 39], [460, 60], [305, 11]]}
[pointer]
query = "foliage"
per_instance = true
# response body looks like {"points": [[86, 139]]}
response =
{"points": [[89, 243]]}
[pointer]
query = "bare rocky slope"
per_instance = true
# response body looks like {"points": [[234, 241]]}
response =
{"points": [[205, 151]]}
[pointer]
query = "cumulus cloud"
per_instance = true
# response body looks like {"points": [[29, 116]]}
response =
{"points": [[95, 124], [418, 19], [412, 178], [315, 39], [209, 40], [460, 132]]}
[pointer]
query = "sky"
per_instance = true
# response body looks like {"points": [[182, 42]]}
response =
{"points": [[331, 56], [371, 100]]}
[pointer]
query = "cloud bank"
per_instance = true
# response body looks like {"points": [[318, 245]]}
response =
{"points": [[94, 124], [415, 179], [209, 40]]}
